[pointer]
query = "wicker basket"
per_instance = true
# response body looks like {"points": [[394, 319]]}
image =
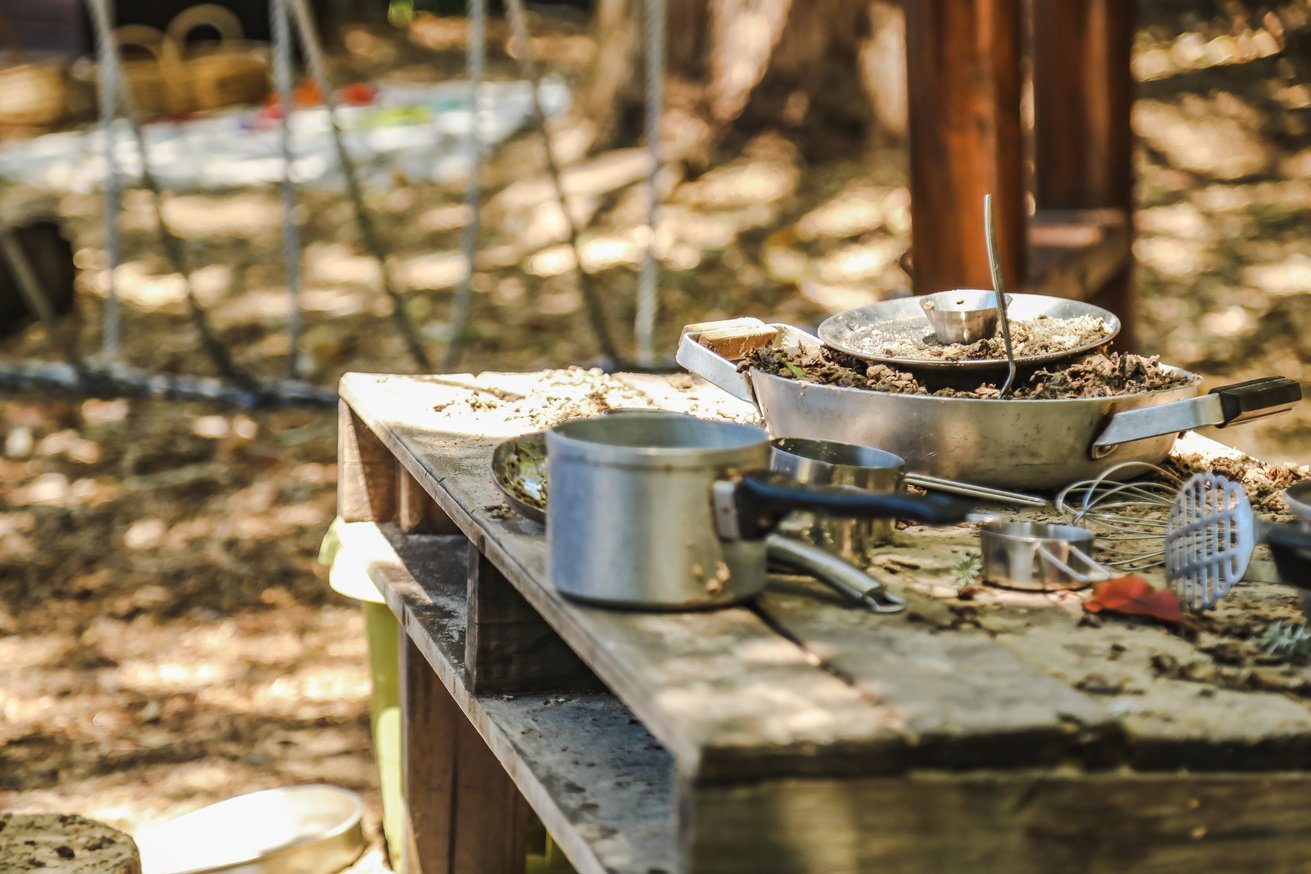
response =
{"points": [[229, 72], [160, 84], [36, 94], [39, 93]]}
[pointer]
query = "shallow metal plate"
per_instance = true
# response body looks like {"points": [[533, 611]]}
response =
{"points": [[903, 319], [519, 470]]}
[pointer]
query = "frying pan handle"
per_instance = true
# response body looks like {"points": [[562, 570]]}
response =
{"points": [[761, 499], [1226, 405], [699, 350]]}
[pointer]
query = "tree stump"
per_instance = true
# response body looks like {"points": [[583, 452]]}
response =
{"points": [[64, 843]]}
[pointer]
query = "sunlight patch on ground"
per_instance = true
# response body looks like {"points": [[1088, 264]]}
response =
{"points": [[1289, 277]]}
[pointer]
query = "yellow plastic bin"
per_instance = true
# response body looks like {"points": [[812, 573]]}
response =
{"points": [[345, 553]]}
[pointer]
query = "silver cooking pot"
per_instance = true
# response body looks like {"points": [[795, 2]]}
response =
{"points": [[1015, 444], [667, 511]]}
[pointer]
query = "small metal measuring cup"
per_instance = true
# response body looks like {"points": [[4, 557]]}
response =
{"points": [[962, 315], [1039, 556], [824, 462]]}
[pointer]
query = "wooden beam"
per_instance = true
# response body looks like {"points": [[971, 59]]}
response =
{"points": [[963, 75], [1007, 823], [366, 471], [416, 511], [1078, 253], [1083, 142], [509, 647], [429, 722]]}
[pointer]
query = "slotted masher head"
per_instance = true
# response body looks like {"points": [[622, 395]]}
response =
{"points": [[1210, 535]]}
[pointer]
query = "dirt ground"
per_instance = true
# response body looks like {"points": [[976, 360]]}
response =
{"points": [[167, 638]]}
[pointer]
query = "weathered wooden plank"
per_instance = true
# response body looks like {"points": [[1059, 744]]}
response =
{"points": [[366, 472], [963, 78], [429, 728], [1008, 823], [942, 686], [491, 818], [509, 647], [600, 783]]}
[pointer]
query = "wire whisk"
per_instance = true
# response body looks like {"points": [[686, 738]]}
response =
{"points": [[1129, 518]]}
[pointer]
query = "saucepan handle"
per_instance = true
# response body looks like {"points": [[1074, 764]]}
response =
{"points": [[760, 499], [1226, 405], [1093, 573], [834, 572]]}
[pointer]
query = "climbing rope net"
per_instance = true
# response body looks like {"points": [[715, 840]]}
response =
{"points": [[292, 23]]}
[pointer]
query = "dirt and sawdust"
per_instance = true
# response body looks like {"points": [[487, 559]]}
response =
{"points": [[1096, 375], [1043, 336], [167, 638]]}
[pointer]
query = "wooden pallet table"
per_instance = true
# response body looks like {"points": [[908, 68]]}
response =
{"points": [[976, 732]]}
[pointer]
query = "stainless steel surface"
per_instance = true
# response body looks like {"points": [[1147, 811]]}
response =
{"points": [[902, 318], [1038, 557], [519, 471], [1209, 541], [1012, 444], [834, 572], [1002, 300], [825, 462], [312, 829], [1132, 425], [961, 315], [969, 490], [630, 521], [1298, 499]]}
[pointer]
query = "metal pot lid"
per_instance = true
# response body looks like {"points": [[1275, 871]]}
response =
{"points": [[866, 332]]}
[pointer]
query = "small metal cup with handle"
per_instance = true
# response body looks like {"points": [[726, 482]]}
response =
{"points": [[1039, 556]]}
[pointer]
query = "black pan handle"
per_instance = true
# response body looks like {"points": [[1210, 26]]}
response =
{"points": [[1256, 398], [761, 499], [1290, 546]]}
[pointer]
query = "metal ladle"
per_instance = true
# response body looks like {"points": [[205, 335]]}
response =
{"points": [[994, 264]]}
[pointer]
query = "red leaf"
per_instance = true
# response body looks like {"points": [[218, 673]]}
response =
{"points": [[1133, 596]]}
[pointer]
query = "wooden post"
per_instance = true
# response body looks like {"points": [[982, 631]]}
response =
{"points": [[1083, 143], [416, 511], [463, 812], [963, 76]]}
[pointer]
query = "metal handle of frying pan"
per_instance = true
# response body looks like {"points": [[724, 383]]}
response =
{"points": [[834, 572], [699, 351], [1226, 405]]}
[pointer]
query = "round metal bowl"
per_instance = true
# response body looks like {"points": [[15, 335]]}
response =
{"points": [[903, 319], [311, 829]]}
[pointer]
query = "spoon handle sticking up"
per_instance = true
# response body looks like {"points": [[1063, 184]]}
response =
{"points": [[994, 264]]}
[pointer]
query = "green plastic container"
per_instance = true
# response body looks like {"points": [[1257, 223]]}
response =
{"points": [[348, 577]]}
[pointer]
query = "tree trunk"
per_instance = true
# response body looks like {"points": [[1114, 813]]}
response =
{"points": [[831, 71]]}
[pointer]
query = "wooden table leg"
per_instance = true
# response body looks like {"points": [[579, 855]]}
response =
{"points": [[463, 813]]}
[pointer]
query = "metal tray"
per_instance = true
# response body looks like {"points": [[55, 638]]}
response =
{"points": [[903, 319]]}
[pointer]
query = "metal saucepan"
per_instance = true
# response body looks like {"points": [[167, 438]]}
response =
{"points": [[1290, 545], [1012, 443], [667, 511], [1038, 556]]}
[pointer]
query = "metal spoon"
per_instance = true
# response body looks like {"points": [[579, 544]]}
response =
{"points": [[994, 264]]}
